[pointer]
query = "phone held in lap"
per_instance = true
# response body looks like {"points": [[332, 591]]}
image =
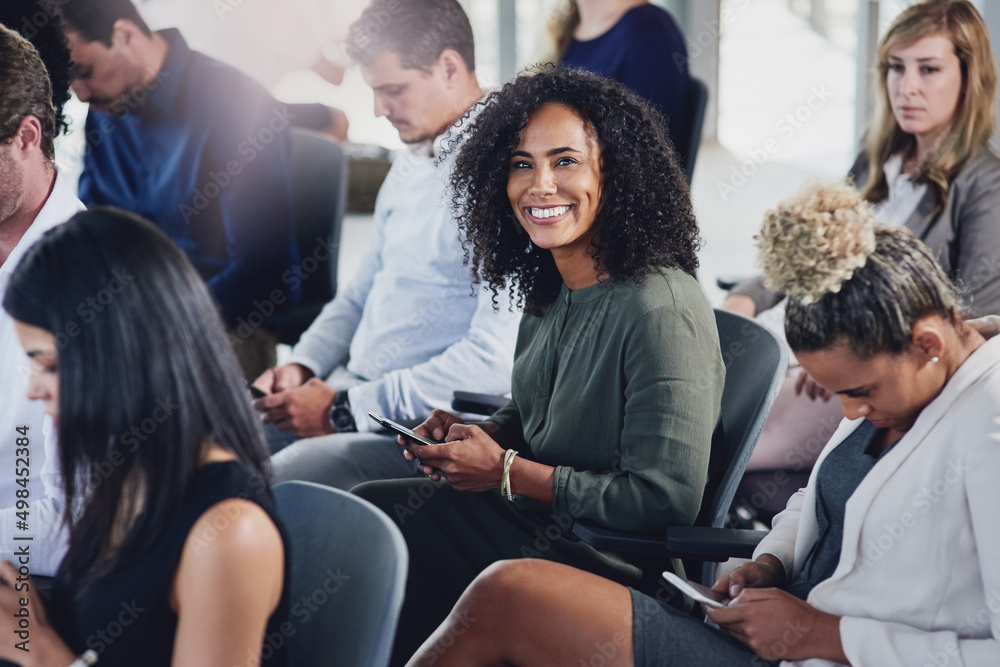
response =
{"points": [[399, 429], [697, 592]]}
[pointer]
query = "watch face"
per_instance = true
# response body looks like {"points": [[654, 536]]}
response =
{"points": [[342, 418]]}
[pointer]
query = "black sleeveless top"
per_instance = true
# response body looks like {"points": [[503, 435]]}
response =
{"points": [[126, 616]]}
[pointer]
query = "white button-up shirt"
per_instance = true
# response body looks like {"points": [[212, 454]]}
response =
{"points": [[409, 328], [45, 514]]}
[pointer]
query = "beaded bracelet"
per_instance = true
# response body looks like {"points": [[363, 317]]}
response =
{"points": [[86, 659]]}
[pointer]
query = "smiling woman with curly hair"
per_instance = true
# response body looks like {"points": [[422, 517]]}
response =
{"points": [[572, 199], [645, 215]]}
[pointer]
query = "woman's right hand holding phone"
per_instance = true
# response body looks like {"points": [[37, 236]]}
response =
{"points": [[765, 572], [435, 427]]}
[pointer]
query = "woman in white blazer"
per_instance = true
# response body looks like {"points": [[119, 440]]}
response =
{"points": [[889, 557]]}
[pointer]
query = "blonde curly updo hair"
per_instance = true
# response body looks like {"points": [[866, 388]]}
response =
{"points": [[810, 245], [848, 279]]}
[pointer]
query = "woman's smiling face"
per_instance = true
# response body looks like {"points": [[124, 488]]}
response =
{"points": [[555, 182]]}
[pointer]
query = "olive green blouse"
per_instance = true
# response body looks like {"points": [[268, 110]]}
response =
{"points": [[618, 387]]}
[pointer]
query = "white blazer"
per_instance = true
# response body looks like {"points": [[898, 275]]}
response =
{"points": [[918, 581]]}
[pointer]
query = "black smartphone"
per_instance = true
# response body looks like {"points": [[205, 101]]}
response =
{"points": [[401, 430], [255, 392]]}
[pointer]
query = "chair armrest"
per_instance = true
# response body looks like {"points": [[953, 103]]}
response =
{"points": [[607, 539], [479, 404], [712, 544], [709, 544]]}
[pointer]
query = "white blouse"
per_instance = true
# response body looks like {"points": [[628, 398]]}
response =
{"points": [[904, 194]]}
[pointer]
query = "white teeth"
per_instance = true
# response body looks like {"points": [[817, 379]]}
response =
{"points": [[547, 212]]}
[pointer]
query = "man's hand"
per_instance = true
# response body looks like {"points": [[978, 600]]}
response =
{"points": [[987, 327], [776, 625], [46, 646], [282, 378], [765, 572], [305, 409], [806, 384]]}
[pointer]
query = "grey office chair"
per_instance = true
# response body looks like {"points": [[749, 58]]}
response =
{"points": [[755, 363], [349, 564], [319, 197]]}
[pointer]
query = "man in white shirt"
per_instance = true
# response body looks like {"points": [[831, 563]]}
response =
{"points": [[409, 329], [33, 199]]}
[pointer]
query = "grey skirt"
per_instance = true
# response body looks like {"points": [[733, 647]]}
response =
{"points": [[665, 637]]}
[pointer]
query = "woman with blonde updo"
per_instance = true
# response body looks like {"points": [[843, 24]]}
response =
{"points": [[891, 554], [927, 165]]}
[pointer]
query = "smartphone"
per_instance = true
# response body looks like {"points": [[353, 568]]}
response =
{"points": [[401, 430], [697, 592], [255, 392]]}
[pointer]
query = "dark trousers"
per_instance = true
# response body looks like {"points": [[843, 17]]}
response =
{"points": [[452, 536]]}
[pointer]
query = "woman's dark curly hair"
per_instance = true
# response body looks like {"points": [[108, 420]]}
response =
{"points": [[645, 219]]}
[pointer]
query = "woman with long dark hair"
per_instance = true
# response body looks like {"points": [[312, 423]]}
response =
{"points": [[571, 198], [175, 554]]}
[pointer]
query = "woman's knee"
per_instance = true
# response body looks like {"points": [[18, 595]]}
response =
{"points": [[513, 584]]}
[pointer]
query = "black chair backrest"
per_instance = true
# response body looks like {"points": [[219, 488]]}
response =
{"points": [[319, 195], [348, 575], [689, 134], [755, 362], [319, 186]]}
